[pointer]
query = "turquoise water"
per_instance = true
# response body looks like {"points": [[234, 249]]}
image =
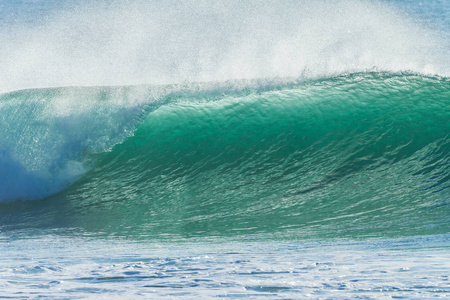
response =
{"points": [[355, 155], [200, 150]]}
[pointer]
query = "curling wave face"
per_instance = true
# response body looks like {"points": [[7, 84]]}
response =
{"points": [[346, 129], [363, 154]]}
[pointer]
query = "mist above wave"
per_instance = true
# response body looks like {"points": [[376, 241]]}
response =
{"points": [[131, 42]]}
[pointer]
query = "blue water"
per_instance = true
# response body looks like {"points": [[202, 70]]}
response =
{"points": [[239, 149]]}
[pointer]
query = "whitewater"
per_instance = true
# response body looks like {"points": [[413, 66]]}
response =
{"points": [[233, 149]]}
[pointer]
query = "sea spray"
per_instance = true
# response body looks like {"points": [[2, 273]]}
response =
{"points": [[48, 135], [149, 42]]}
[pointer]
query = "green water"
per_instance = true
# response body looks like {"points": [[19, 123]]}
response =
{"points": [[360, 155]]}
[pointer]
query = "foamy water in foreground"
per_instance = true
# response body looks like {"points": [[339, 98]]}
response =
{"points": [[114, 268]]}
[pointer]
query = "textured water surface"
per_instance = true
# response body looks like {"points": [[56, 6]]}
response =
{"points": [[92, 268]]}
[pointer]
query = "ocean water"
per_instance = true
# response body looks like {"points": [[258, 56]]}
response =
{"points": [[293, 149]]}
